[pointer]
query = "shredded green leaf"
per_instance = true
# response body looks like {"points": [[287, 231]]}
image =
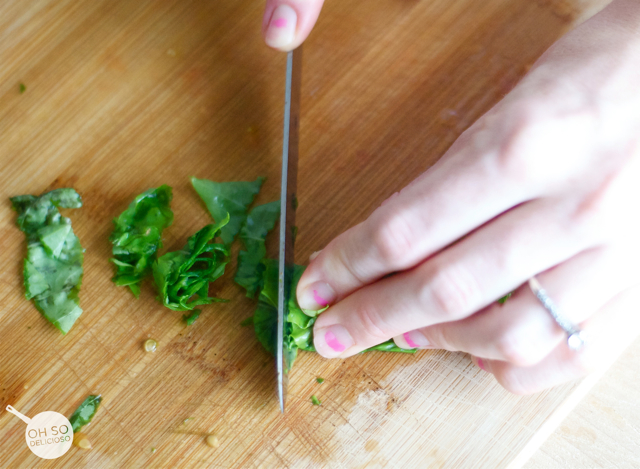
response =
{"points": [[183, 277], [137, 236], [259, 222], [298, 334], [191, 318], [53, 267], [22, 88], [320, 380], [315, 400], [232, 198], [85, 412], [505, 298]]}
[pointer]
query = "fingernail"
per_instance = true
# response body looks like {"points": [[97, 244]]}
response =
{"points": [[282, 27], [314, 255], [416, 339], [332, 341], [481, 364], [317, 296]]}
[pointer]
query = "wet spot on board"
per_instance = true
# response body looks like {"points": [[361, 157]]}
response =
{"points": [[371, 446]]}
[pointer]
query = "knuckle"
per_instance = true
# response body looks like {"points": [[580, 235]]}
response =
{"points": [[372, 323], [393, 238], [511, 349], [512, 380], [453, 290], [512, 161], [438, 336]]}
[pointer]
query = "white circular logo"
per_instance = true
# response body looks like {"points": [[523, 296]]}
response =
{"points": [[49, 435]]}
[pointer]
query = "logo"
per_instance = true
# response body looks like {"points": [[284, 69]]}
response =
{"points": [[49, 434]]}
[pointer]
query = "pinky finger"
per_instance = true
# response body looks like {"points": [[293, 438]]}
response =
{"points": [[608, 332]]}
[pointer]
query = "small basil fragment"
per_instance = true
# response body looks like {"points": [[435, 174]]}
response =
{"points": [[191, 318], [183, 277], [259, 222], [85, 412], [137, 236], [53, 266], [227, 198], [315, 400], [505, 298]]}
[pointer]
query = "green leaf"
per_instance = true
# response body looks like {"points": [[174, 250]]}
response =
{"points": [[247, 322], [298, 333], [137, 236], [183, 277], [53, 237], [222, 198], [505, 298], [191, 318], [315, 400], [320, 380], [22, 88], [53, 266], [259, 222], [389, 346], [85, 412]]}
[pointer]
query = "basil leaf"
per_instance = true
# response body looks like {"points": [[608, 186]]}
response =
{"points": [[298, 332], [232, 198], [137, 236], [505, 298], [183, 277], [259, 222], [53, 267], [191, 318], [85, 412]]}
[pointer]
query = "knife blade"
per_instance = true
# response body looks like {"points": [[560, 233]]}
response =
{"points": [[287, 211]]}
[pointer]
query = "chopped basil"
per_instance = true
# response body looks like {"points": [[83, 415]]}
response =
{"points": [[53, 267], [85, 412], [137, 236]]}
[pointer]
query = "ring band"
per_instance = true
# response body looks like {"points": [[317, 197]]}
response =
{"points": [[575, 336]]}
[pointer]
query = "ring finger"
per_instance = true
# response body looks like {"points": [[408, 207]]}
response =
{"points": [[521, 331], [610, 331]]}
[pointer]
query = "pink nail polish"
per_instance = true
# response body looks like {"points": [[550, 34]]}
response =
{"points": [[318, 299], [416, 339], [410, 342], [333, 342], [481, 364], [280, 23], [316, 296]]}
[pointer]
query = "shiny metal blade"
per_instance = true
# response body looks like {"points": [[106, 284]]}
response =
{"points": [[287, 211]]}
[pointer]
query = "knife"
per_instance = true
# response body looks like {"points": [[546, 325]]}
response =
{"points": [[287, 212]]}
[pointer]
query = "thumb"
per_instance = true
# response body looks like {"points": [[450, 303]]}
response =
{"points": [[287, 23]]}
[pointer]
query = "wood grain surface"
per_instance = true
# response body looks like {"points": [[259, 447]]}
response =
{"points": [[122, 96]]}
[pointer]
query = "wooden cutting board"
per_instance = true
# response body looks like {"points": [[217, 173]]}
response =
{"points": [[122, 96]]}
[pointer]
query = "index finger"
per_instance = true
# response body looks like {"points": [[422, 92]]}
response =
{"points": [[287, 23], [445, 203]]}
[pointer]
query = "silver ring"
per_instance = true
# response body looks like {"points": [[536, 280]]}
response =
{"points": [[575, 336]]}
